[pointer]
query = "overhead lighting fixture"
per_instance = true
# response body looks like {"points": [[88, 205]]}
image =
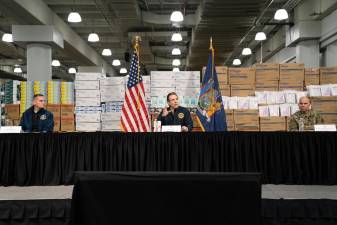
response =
{"points": [[17, 70], [55, 62], [176, 62], [106, 52], [236, 62], [74, 17], [246, 51], [177, 16], [7, 37], [116, 62], [93, 37], [123, 70], [72, 70], [260, 36], [281, 14], [176, 69], [176, 37], [176, 51]]}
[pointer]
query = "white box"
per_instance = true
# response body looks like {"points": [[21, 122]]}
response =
{"points": [[191, 92], [243, 102], [110, 116], [334, 89], [187, 84], [112, 89], [112, 125], [271, 97], [88, 117], [285, 110], [261, 97], [293, 108], [87, 93], [88, 102], [88, 76], [110, 97], [233, 103], [314, 90], [161, 92], [111, 81], [88, 126], [146, 79], [280, 98], [274, 110], [290, 97], [253, 102], [162, 75], [87, 84], [163, 83], [326, 90], [187, 75], [225, 101], [263, 111]]}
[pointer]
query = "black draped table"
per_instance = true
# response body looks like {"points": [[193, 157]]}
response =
{"points": [[281, 157]]}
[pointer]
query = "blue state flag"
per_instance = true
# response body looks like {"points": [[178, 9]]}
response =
{"points": [[210, 110]]}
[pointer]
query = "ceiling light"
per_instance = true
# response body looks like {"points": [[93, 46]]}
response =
{"points": [[246, 51], [176, 69], [116, 62], [123, 70], [93, 37], [74, 17], [7, 37], [55, 62], [176, 62], [236, 62], [281, 14], [106, 52], [176, 51], [260, 36], [176, 37], [72, 70], [17, 70], [177, 16]]}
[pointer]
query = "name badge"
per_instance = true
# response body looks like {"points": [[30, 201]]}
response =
{"points": [[43, 117]]}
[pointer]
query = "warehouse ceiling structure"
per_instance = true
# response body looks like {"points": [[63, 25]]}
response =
{"points": [[231, 23]]}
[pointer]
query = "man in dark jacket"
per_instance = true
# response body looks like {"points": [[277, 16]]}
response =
{"points": [[36, 118], [175, 114]]}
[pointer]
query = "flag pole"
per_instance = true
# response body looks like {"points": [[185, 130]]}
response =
{"points": [[137, 49]]}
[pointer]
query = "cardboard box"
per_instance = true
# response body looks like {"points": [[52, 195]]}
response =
{"points": [[55, 109], [246, 127], [112, 81], [288, 86], [67, 111], [57, 124], [88, 76], [273, 124], [225, 89], [324, 104], [87, 93], [241, 75], [291, 72], [87, 85], [229, 116], [12, 111], [270, 85], [88, 102], [246, 116], [67, 124], [242, 90], [311, 76], [329, 118], [267, 72], [328, 75], [88, 126], [94, 117]]}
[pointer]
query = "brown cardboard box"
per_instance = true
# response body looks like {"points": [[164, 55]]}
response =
{"points": [[247, 127], [67, 125], [273, 124], [242, 90], [223, 78], [230, 126], [289, 86], [229, 115], [267, 72], [324, 104], [328, 75], [291, 72], [225, 89], [329, 118], [311, 76], [267, 86], [246, 116], [57, 124], [55, 109], [221, 69], [67, 111], [12, 111], [241, 75]]}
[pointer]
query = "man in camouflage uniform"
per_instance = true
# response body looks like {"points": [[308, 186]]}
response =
{"points": [[305, 118]]}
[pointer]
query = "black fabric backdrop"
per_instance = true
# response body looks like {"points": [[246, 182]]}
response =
{"points": [[282, 157], [152, 198]]}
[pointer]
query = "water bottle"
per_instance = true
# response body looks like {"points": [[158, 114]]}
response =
{"points": [[301, 124]]}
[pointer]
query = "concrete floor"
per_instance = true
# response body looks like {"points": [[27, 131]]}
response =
{"points": [[269, 191]]}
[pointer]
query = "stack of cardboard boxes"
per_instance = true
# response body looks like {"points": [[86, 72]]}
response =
{"points": [[56, 110], [327, 107], [246, 120], [328, 75], [311, 76], [12, 114], [291, 77], [242, 81], [267, 77], [222, 72]]}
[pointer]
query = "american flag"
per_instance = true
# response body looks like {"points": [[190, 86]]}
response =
{"points": [[135, 116]]}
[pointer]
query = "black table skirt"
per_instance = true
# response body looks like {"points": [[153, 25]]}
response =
{"points": [[282, 157]]}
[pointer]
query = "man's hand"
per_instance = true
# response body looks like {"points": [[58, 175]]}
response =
{"points": [[184, 129], [165, 112]]}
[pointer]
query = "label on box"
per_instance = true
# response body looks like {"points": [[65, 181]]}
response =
{"points": [[89, 85], [88, 117], [87, 93], [88, 102]]}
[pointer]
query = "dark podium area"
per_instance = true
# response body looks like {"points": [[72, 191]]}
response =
{"points": [[164, 198]]}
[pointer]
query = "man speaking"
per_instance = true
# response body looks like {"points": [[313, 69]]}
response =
{"points": [[175, 114]]}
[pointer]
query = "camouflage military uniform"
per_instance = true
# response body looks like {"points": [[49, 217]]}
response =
{"points": [[309, 120]]}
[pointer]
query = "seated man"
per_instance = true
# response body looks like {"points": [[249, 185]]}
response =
{"points": [[175, 114], [36, 118], [305, 118]]}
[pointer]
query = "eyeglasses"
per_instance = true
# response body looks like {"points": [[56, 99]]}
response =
{"points": [[42, 100]]}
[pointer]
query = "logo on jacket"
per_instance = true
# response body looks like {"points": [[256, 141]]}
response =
{"points": [[181, 115], [43, 117]]}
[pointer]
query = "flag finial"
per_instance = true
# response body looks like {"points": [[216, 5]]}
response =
{"points": [[210, 43], [136, 41]]}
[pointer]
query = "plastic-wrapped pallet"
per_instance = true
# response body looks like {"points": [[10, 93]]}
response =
{"points": [[40, 87], [11, 92], [27, 94], [54, 92], [67, 92]]}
